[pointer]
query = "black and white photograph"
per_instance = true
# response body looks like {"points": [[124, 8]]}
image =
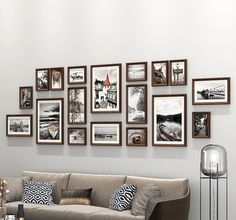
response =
{"points": [[19, 125], [136, 137], [169, 120], [160, 73], [57, 78], [106, 88], [26, 97], [201, 124], [136, 104], [77, 75], [49, 128], [211, 91], [77, 105], [42, 79], [106, 133], [178, 72], [136, 72], [77, 136]]}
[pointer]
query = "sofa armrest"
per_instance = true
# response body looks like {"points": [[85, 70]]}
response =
{"points": [[177, 209]]}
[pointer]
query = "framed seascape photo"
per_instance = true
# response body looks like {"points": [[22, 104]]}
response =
{"points": [[42, 79], [26, 97], [106, 88], [160, 72], [211, 91], [49, 121], [57, 78], [106, 133], [136, 104], [169, 120], [136, 72], [19, 125], [178, 72], [77, 75], [136, 137], [77, 105], [201, 125], [77, 136]]}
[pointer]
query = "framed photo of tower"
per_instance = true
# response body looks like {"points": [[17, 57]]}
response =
{"points": [[160, 73], [178, 72]]}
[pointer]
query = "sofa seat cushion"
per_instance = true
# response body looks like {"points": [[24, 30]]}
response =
{"points": [[71, 212]]}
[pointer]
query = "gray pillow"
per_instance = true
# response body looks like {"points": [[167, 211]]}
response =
{"points": [[144, 193]]}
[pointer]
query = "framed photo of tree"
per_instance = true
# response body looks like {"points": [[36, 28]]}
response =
{"points": [[42, 79]]}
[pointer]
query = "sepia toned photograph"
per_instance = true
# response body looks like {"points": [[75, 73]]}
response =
{"points": [[210, 91], [26, 97], [136, 104], [160, 72], [19, 125], [106, 133], [50, 117], [57, 78], [178, 72], [201, 124], [136, 72], [169, 120], [77, 105], [106, 88], [77, 136], [77, 75], [136, 137], [42, 79]]}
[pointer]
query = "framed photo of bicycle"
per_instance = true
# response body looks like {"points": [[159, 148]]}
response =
{"points": [[169, 120]]}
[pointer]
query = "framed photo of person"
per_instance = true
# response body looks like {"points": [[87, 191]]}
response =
{"points": [[160, 73], [136, 72], [42, 79], [77, 75], [77, 136], [201, 124], [57, 78], [26, 97], [106, 88], [178, 72], [136, 137]]}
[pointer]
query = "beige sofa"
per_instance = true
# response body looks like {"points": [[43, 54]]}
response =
{"points": [[172, 205]]}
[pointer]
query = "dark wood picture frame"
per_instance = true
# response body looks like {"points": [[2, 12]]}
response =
{"points": [[169, 137], [207, 94], [158, 75], [59, 71], [204, 125], [84, 81], [38, 80], [137, 139], [119, 142], [178, 71], [77, 144], [26, 100], [128, 107], [110, 101], [145, 69]]}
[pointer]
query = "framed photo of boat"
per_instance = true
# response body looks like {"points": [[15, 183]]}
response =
{"points": [[211, 91], [178, 72], [136, 72], [26, 97], [50, 121], [160, 73], [42, 79], [105, 133], [77, 75], [106, 88], [77, 107], [77, 136], [56, 78], [136, 136], [201, 124], [136, 104], [169, 120]]}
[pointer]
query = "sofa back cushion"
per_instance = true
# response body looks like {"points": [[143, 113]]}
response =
{"points": [[61, 181], [103, 186]]}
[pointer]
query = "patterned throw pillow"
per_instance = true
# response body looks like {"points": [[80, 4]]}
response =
{"points": [[122, 197], [37, 192]]}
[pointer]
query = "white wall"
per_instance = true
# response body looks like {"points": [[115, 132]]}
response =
{"points": [[49, 33]]}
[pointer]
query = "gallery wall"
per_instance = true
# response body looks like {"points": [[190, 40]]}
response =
{"points": [[51, 33]]}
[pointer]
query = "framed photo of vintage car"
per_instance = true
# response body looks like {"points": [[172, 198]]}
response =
{"points": [[77, 75], [178, 72], [57, 78], [160, 73], [26, 97], [136, 136], [77, 136], [136, 72], [201, 124], [169, 120], [42, 79]]}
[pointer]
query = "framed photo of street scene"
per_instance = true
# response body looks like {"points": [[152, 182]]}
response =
{"points": [[160, 73], [169, 120], [19, 125], [136, 72], [106, 88], [77, 136], [76, 75], [136, 137], [178, 72], [26, 97], [42, 79], [211, 91], [56, 78], [136, 104], [50, 121], [77, 106], [106, 133], [201, 124]]}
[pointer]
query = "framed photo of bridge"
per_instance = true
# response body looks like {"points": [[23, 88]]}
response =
{"points": [[169, 120], [178, 72], [77, 75], [211, 91]]}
